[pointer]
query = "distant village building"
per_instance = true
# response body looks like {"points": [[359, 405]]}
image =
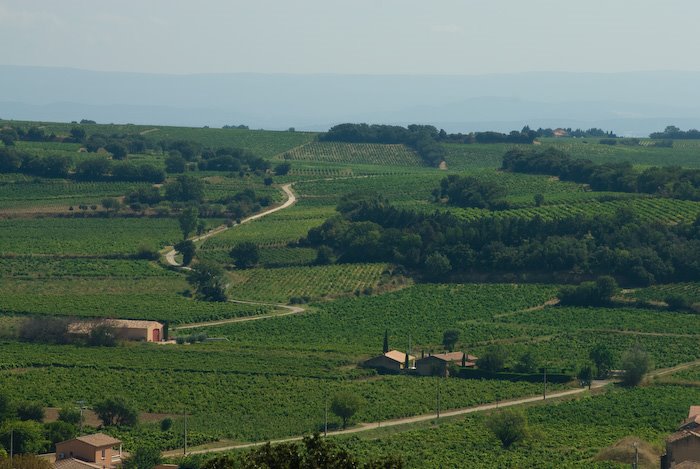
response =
{"points": [[391, 361], [683, 447], [125, 329], [439, 364], [89, 451], [560, 132]]}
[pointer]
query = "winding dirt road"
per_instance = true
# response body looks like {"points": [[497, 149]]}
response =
{"points": [[170, 253]]}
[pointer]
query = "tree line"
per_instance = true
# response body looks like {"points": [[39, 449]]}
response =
{"points": [[437, 245], [673, 132], [664, 181]]}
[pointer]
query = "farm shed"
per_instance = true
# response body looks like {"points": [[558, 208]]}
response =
{"points": [[125, 329], [683, 447], [438, 365], [392, 361], [97, 450]]}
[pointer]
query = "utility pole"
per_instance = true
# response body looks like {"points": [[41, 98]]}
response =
{"points": [[325, 420], [82, 406], [635, 465], [438, 397], [12, 445], [544, 394], [184, 448]]}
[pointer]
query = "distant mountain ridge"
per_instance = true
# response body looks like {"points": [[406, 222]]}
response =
{"points": [[634, 103]]}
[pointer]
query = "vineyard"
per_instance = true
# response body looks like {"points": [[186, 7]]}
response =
{"points": [[689, 291], [85, 236], [271, 377], [352, 153], [570, 433], [156, 298], [651, 210], [312, 282]]}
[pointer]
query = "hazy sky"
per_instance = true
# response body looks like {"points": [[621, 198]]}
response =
{"points": [[352, 36]]}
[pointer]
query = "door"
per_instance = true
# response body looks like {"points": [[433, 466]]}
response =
{"points": [[156, 335]]}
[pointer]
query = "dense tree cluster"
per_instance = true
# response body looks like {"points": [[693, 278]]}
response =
{"points": [[525, 136], [467, 191], [666, 181], [422, 138], [673, 132], [370, 229], [96, 168]]}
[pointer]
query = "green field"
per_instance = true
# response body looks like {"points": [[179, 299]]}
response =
{"points": [[270, 378]]}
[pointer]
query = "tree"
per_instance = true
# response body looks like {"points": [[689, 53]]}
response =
{"points": [[92, 169], [69, 415], [385, 348], [102, 335], [635, 363], [185, 189], [494, 359], [188, 249], [59, 431], [175, 163], [509, 426], [450, 338], [603, 359], [585, 375], [27, 437], [539, 200], [30, 411], [145, 457], [116, 411], [437, 265], [527, 363], [78, 134], [188, 221], [282, 169], [118, 150], [210, 281], [324, 256], [245, 254], [166, 424], [345, 404], [111, 203]]}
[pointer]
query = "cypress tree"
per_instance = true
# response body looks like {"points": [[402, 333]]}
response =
{"points": [[386, 341]]}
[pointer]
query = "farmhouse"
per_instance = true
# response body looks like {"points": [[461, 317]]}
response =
{"points": [[87, 451], [439, 364], [683, 447], [391, 361], [125, 329]]}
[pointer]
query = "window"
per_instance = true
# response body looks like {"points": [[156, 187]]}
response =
{"points": [[103, 454]]}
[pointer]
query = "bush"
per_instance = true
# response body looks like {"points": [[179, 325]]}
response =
{"points": [[494, 359], [30, 411], [509, 426], [635, 363]]}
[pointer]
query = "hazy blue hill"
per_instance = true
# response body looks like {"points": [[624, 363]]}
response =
{"points": [[634, 103]]}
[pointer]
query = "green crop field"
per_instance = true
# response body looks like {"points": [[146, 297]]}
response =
{"points": [[281, 284], [363, 153]]}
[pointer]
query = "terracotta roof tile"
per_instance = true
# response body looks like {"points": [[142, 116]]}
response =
{"points": [[99, 440]]}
